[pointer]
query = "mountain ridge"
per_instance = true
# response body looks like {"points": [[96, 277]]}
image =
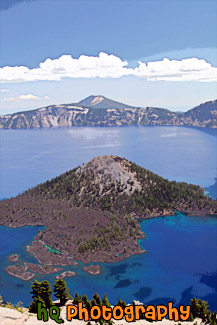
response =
{"points": [[102, 102], [101, 111]]}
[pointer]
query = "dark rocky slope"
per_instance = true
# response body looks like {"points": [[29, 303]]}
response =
{"points": [[91, 212]]}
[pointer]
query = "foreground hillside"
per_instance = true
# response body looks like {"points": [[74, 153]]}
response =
{"points": [[91, 213], [101, 111], [13, 317]]}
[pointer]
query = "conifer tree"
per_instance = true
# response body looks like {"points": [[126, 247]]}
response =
{"points": [[199, 308], [97, 299], [86, 303], [121, 303], [41, 292], [77, 299], [105, 301], [213, 318], [61, 291], [34, 304], [93, 302]]}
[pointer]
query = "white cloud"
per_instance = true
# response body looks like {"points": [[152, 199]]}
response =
{"points": [[173, 70], [111, 66], [21, 97], [4, 90], [122, 98]]}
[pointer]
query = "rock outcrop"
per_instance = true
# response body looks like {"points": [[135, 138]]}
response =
{"points": [[91, 212]]}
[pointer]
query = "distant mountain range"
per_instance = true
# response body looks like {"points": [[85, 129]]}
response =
{"points": [[101, 111]]}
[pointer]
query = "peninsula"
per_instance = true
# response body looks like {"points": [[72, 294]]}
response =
{"points": [[92, 212]]}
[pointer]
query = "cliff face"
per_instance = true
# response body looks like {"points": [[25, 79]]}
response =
{"points": [[104, 112]]}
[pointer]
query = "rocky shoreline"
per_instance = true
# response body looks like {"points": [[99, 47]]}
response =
{"points": [[13, 258], [91, 214], [65, 274], [50, 260], [20, 271], [92, 269], [43, 256], [42, 269]]}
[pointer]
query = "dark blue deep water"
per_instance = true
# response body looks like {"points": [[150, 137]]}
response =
{"points": [[181, 252]]}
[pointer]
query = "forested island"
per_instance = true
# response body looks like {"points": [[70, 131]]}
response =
{"points": [[91, 213]]}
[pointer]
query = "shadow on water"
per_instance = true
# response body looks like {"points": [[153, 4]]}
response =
{"points": [[210, 131], [186, 296], [160, 301], [123, 283], [143, 293], [210, 279]]}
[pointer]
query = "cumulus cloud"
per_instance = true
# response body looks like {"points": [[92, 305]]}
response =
{"points": [[173, 70], [23, 97], [110, 66]]}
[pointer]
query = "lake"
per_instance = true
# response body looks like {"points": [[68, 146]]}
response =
{"points": [[180, 260]]}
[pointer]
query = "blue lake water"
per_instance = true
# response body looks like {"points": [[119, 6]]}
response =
{"points": [[181, 252]]}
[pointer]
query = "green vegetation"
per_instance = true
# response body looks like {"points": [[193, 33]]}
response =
{"points": [[124, 192], [41, 292], [199, 309], [157, 194], [52, 250], [95, 301], [122, 303], [61, 291], [92, 212], [18, 306], [116, 231]]}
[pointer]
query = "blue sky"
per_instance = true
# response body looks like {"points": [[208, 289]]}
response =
{"points": [[154, 53]]}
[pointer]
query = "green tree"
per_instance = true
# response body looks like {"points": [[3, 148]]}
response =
{"points": [[191, 318], [61, 291], [199, 308], [96, 300], [86, 303], [213, 318], [34, 304], [85, 300], [105, 301], [41, 292], [121, 303], [77, 299]]}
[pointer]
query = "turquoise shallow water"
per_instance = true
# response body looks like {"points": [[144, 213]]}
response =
{"points": [[179, 264], [181, 252]]}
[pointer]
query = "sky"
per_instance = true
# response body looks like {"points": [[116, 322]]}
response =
{"points": [[140, 52]]}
